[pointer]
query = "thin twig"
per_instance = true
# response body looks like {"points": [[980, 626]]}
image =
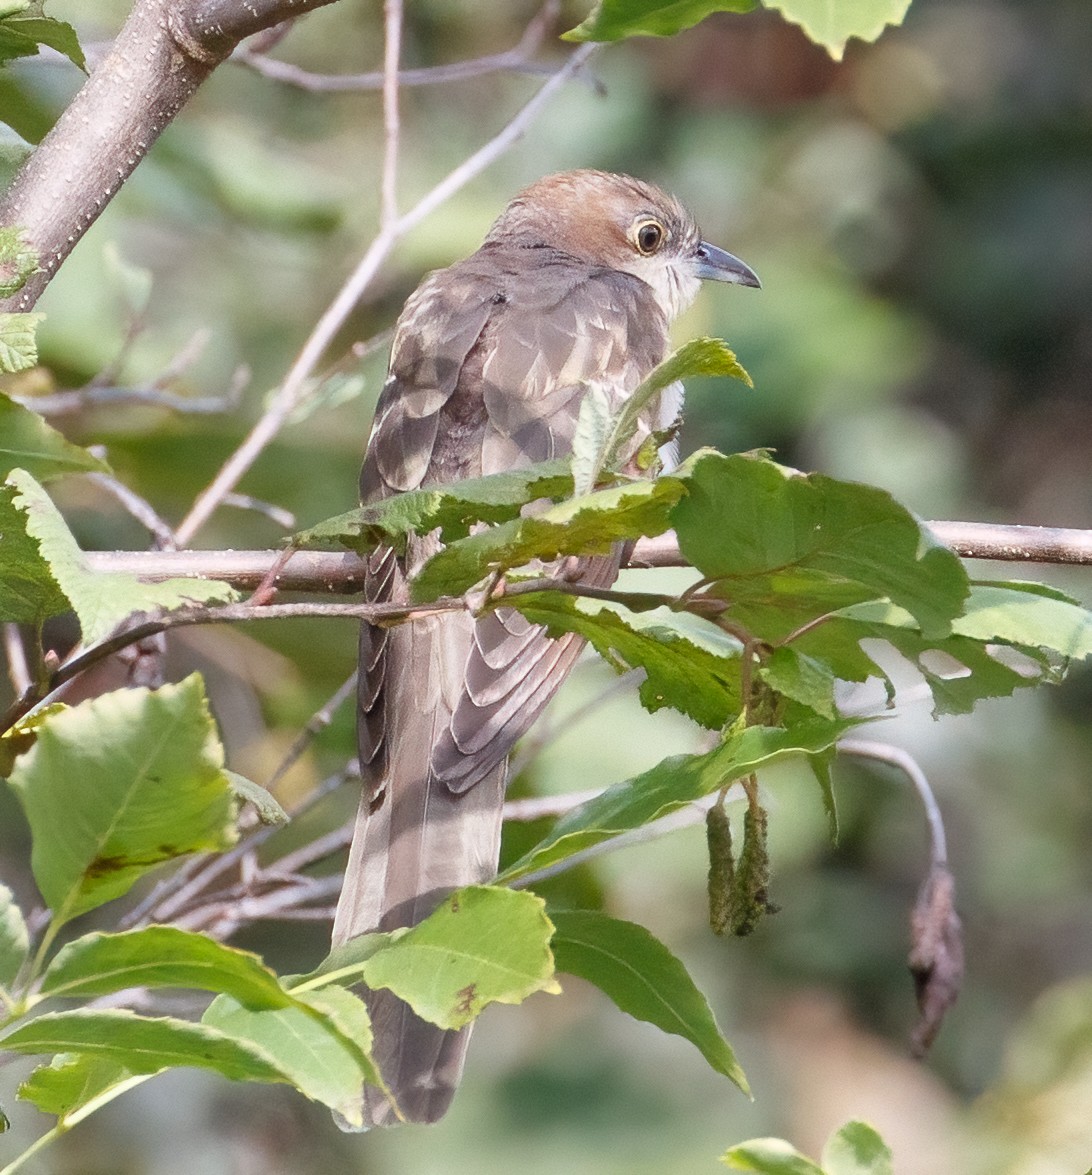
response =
{"points": [[316, 724], [905, 762], [350, 293], [139, 508], [152, 395], [392, 50], [515, 60]]}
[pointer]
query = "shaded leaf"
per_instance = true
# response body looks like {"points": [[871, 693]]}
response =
{"points": [[17, 260], [700, 680], [28, 591], [831, 23], [21, 735], [611, 20], [483, 945], [101, 600], [795, 675], [643, 978], [265, 803], [27, 442], [143, 1044], [73, 1080], [670, 785], [14, 940], [56, 34], [119, 784], [161, 956]]}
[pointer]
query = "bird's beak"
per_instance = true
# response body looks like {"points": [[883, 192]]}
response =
{"points": [[713, 264]]}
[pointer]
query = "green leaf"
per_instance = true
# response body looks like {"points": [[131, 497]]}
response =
{"points": [[794, 675], [28, 591], [17, 260], [643, 978], [11, 7], [119, 784], [689, 665], [831, 23], [786, 548], [453, 509], [1027, 615], [14, 940], [56, 34], [18, 338], [264, 802], [307, 1049], [602, 443], [21, 735], [611, 20], [27, 442], [483, 945], [769, 1156], [101, 600], [588, 525], [161, 956], [820, 765], [72, 1081], [857, 1149], [143, 1044], [670, 785]]}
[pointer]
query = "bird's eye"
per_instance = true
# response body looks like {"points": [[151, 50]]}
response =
{"points": [[649, 236]]}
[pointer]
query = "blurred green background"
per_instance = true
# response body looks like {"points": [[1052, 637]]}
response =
{"points": [[921, 217]]}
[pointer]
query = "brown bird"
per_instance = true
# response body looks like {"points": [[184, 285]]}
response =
{"points": [[576, 284]]}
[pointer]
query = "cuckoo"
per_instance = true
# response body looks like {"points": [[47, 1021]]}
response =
{"points": [[576, 284]]}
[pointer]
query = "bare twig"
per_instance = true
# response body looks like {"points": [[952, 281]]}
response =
{"points": [[514, 60], [392, 50], [316, 724], [350, 293], [154, 396], [139, 508], [285, 519]]}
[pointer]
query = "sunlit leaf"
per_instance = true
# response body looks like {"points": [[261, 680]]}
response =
{"points": [[483, 945], [611, 20], [101, 600], [73, 1080], [643, 978], [769, 1156], [18, 337], [119, 784], [161, 956], [831, 23], [14, 940]]}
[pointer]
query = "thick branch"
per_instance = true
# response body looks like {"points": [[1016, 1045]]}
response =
{"points": [[165, 50], [340, 571]]}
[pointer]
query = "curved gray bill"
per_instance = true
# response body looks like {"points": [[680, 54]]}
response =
{"points": [[713, 264]]}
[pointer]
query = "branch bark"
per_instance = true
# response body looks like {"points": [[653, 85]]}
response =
{"points": [[165, 50]]}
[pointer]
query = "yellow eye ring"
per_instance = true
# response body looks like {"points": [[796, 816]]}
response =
{"points": [[649, 236]]}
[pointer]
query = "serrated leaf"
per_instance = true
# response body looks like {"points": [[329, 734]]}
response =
{"points": [[117, 785], [643, 978], [17, 260], [143, 1044], [769, 1156], [14, 940], [857, 1149], [264, 802], [698, 677], [71, 1081], [590, 438], [1027, 615], [670, 785], [787, 548], [101, 600], [27, 442], [305, 1048], [28, 591], [452, 509], [611, 20], [589, 525], [483, 945], [831, 23], [161, 956], [804, 679], [18, 338]]}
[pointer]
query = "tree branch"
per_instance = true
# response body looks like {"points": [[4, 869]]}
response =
{"points": [[165, 50]]}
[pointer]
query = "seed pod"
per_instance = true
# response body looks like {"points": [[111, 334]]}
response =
{"points": [[750, 893]]}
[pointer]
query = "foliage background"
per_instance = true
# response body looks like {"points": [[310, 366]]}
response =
{"points": [[920, 216]]}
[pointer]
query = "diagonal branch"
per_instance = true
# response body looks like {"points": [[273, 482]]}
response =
{"points": [[165, 50]]}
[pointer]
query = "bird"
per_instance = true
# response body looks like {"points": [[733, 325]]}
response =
{"points": [[576, 284]]}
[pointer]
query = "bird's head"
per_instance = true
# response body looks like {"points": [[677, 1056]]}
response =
{"points": [[620, 223]]}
